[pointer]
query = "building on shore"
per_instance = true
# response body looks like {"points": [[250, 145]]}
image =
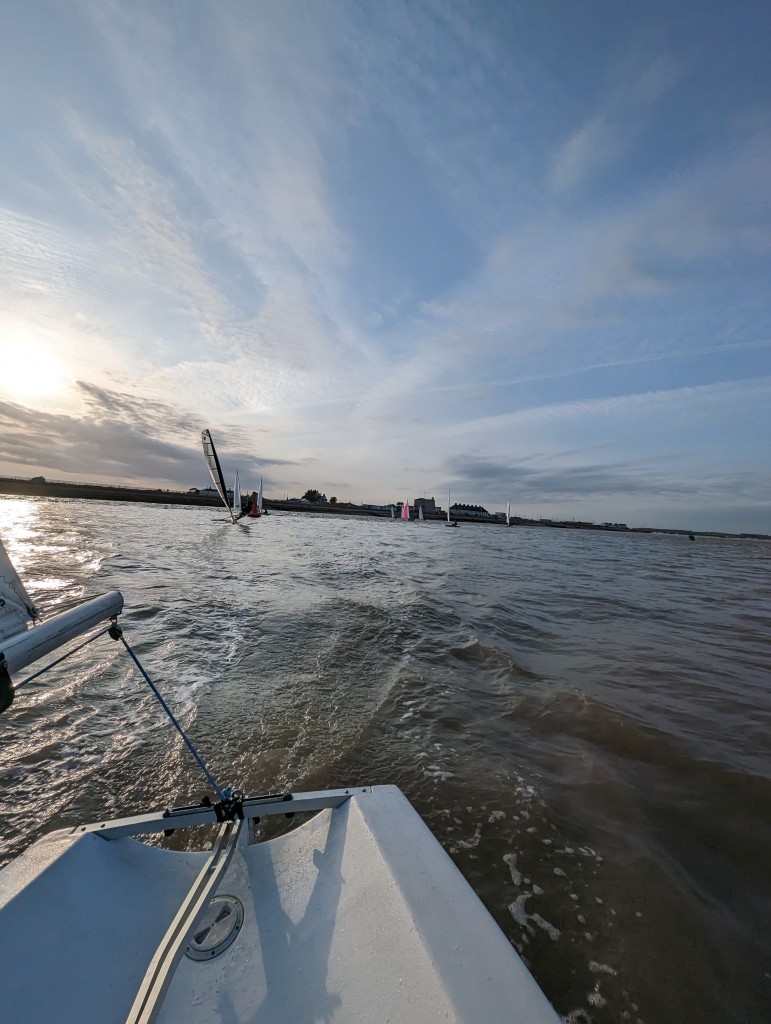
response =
{"points": [[427, 504], [471, 511]]}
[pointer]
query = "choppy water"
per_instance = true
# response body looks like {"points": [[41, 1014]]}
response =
{"points": [[582, 719]]}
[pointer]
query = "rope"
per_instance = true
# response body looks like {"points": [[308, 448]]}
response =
{"points": [[64, 657], [117, 634]]}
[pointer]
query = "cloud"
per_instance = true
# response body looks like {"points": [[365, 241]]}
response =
{"points": [[638, 485], [664, 403], [121, 438], [565, 483], [608, 134]]}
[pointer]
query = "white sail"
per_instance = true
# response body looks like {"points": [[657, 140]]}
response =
{"points": [[215, 470], [16, 606], [237, 496], [259, 496], [448, 506], [508, 513], [420, 513]]}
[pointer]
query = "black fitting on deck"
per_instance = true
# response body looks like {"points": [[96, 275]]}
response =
{"points": [[231, 808]]}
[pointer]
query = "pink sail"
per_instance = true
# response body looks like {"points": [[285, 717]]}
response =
{"points": [[406, 510]]}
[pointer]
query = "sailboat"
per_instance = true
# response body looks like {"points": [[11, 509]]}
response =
{"points": [[508, 513], [420, 513], [236, 509], [393, 516], [406, 511], [449, 522], [215, 472], [100, 926], [255, 509]]}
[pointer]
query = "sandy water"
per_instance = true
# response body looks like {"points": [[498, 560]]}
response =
{"points": [[582, 719]]}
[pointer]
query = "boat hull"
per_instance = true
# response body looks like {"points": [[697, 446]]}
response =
{"points": [[357, 915]]}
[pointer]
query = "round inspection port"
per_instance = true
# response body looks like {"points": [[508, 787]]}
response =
{"points": [[216, 928]]}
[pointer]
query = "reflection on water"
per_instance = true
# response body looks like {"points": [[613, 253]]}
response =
{"points": [[581, 719]]}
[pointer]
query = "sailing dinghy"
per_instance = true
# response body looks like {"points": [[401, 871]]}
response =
{"points": [[254, 508], [215, 472], [236, 509], [355, 916], [449, 521]]}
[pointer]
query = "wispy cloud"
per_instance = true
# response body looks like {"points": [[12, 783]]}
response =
{"points": [[120, 438], [610, 132], [365, 242]]}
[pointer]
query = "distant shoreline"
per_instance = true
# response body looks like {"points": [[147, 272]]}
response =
{"points": [[41, 488]]}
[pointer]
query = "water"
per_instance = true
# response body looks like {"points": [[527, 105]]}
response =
{"points": [[582, 719]]}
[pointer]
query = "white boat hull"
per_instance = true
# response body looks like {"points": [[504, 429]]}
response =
{"points": [[356, 916]]}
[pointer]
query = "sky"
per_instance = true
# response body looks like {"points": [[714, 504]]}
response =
{"points": [[519, 251]]}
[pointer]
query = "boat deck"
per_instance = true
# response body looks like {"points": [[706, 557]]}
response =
{"points": [[357, 915]]}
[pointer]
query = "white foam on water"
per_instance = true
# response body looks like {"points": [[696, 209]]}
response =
{"points": [[553, 932], [518, 912], [511, 860], [597, 968], [473, 842], [577, 1017]]}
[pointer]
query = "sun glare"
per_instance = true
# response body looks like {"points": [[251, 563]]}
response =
{"points": [[29, 370]]}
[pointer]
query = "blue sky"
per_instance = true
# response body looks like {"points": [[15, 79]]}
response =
{"points": [[521, 251]]}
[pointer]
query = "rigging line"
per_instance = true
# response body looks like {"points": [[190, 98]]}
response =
{"points": [[64, 657], [117, 634]]}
